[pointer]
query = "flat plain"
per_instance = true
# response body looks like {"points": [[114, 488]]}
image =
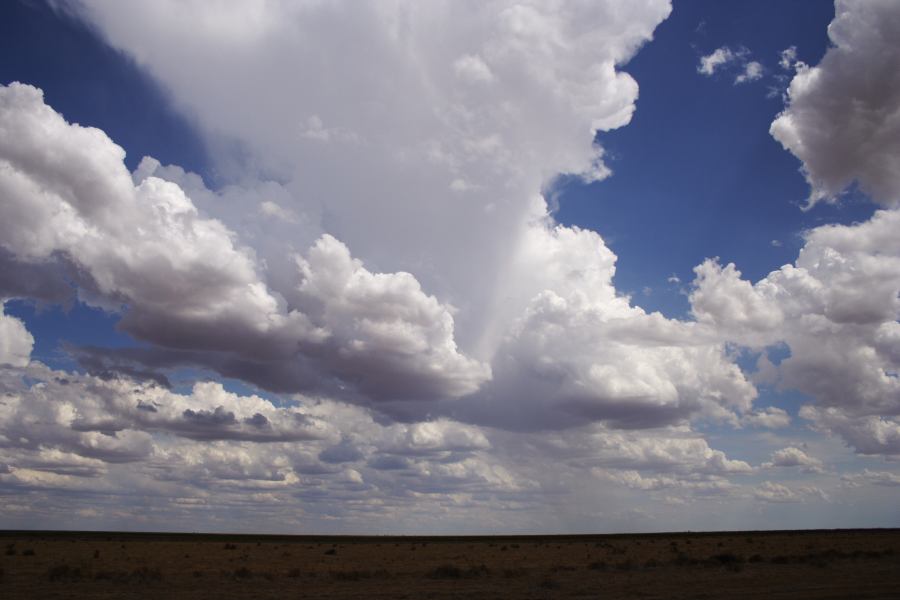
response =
{"points": [[773, 564]]}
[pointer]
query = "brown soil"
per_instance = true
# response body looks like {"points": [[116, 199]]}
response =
{"points": [[803, 564]]}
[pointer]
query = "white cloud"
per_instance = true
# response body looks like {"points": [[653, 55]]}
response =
{"points": [[725, 58], [788, 58], [15, 340], [753, 70], [554, 83], [867, 477], [840, 119], [188, 285], [500, 99], [770, 417], [715, 59], [462, 307], [794, 457], [383, 325], [770, 491], [472, 69], [581, 351], [836, 309]]}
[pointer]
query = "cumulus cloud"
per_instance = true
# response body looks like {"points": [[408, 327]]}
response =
{"points": [[186, 285], [384, 325], [868, 477], [794, 457], [541, 312], [400, 269], [770, 491], [673, 451], [581, 351], [462, 124], [64, 435], [836, 309], [770, 417], [840, 119], [15, 340]]}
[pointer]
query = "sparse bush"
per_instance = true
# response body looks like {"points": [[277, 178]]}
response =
{"points": [[230, 547], [242, 573], [598, 566], [294, 573], [454, 572], [331, 551], [146, 574], [445, 572], [626, 565], [549, 584], [63, 573], [350, 575], [28, 552]]}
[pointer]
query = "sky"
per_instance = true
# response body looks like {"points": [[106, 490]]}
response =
{"points": [[449, 267]]}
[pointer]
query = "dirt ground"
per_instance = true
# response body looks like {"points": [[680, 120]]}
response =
{"points": [[802, 564]]}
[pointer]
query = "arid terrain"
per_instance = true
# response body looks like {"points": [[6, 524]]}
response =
{"points": [[802, 564]]}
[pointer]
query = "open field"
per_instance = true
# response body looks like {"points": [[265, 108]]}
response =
{"points": [[802, 564]]}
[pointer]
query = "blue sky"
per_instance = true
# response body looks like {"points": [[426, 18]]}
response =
{"points": [[322, 287]]}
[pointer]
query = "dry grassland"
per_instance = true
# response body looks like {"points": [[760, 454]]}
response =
{"points": [[805, 564]]}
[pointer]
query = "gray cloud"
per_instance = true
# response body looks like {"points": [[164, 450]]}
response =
{"points": [[840, 120]]}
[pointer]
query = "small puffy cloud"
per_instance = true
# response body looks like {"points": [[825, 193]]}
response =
{"points": [[773, 492], [840, 119], [722, 299], [867, 434], [473, 69], [753, 70], [710, 486], [788, 58], [440, 436], [867, 477], [672, 451], [15, 340], [714, 60], [274, 210], [770, 417], [794, 457], [725, 58]]}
